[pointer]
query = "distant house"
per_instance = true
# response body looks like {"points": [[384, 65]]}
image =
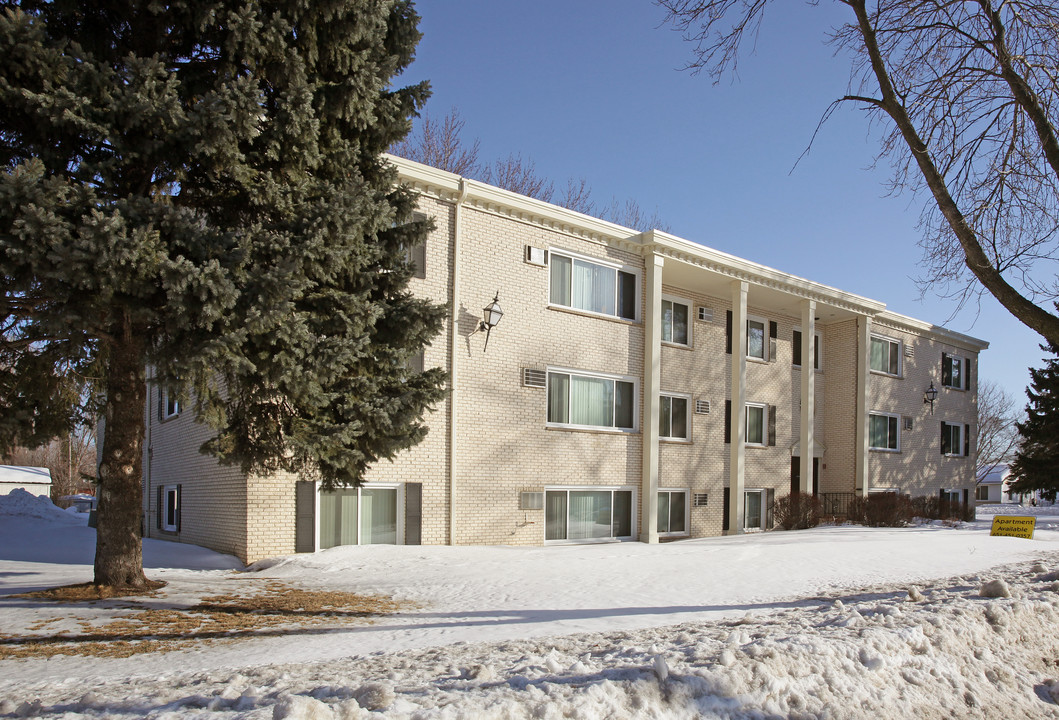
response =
{"points": [[993, 487], [35, 480], [640, 387]]}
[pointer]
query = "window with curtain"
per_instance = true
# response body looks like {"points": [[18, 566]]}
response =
{"points": [[358, 516], [590, 401], [752, 510], [883, 432], [885, 355], [672, 512], [593, 287], [586, 515], [675, 316], [673, 417], [755, 424]]}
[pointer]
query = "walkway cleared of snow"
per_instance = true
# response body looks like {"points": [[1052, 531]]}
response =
{"points": [[831, 622]]}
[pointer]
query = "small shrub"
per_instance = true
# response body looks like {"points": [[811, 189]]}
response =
{"points": [[880, 510], [797, 511]]}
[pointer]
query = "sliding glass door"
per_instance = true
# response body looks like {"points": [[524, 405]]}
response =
{"points": [[358, 516], [587, 515]]}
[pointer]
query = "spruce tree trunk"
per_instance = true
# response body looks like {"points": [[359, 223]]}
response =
{"points": [[119, 552]]}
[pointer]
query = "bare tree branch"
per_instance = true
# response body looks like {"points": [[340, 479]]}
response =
{"points": [[969, 95]]}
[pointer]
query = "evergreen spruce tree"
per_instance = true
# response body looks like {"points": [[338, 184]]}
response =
{"points": [[1036, 465], [198, 188]]}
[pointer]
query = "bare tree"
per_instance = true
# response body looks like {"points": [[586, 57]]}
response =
{"points": [[439, 144], [71, 461], [631, 215], [518, 175], [969, 94], [577, 197], [997, 435]]}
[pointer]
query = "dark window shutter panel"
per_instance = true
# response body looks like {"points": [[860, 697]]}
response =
{"points": [[161, 403], [413, 513], [967, 374], [161, 507], [946, 370], [725, 503], [728, 332], [179, 505], [728, 421], [966, 440], [304, 516], [772, 425], [770, 501], [796, 348], [774, 329], [945, 439]]}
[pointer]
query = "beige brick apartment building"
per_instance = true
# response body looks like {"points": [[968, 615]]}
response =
{"points": [[639, 386]]}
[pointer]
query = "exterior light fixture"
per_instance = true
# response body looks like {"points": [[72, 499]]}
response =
{"points": [[930, 395], [491, 315]]}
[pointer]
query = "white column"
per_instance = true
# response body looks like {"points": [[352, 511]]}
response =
{"points": [[652, 366], [862, 482], [807, 436], [737, 448]]}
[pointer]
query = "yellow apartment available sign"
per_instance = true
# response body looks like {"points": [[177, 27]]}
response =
{"points": [[1013, 526]]}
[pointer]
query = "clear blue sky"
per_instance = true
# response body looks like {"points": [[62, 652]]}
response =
{"points": [[593, 89]]}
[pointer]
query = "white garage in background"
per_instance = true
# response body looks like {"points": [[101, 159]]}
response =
{"points": [[35, 480]]}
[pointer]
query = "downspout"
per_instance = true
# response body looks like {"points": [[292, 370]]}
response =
{"points": [[454, 333], [145, 528]]}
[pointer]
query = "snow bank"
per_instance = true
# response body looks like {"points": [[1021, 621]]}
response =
{"points": [[872, 654], [20, 503]]}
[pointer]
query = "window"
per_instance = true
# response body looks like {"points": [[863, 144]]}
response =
{"points": [[755, 339], [883, 432], [954, 439], [752, 510], [591, 401], [796, 349], [757, 509], [981, 493], [589, 514], [672, 512], [416, 254], [673, 417], [675, 324], [885, 355], [755, 424], [359, 516], [170, 404], [954, 371], [170, 510], [416, 362], [594, 287]]}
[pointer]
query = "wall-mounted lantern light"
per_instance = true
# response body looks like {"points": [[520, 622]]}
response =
{"points": [[491, 315], [930, 395]]}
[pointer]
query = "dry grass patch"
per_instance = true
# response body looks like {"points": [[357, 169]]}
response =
{"points": [[257, 610], [84, 592]]}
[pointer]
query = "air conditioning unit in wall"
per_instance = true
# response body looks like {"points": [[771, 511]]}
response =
{"points": [[531, 500], [536, 256], [532, 377]]}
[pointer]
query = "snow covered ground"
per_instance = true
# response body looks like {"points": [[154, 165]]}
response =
{"points": [[836, 622]]}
